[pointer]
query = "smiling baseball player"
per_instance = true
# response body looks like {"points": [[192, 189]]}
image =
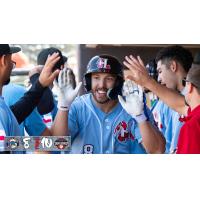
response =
{"points": [[98, 123]]}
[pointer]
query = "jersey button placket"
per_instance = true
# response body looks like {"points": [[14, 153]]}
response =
{"points": [[107, 127], [107, 124]]}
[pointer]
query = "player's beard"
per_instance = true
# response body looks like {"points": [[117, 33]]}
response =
{"points": [[100, 95], [7, 76], [7, 82]]}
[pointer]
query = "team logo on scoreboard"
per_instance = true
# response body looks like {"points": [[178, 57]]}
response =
{"points": [[12, 143], [61, 143]]}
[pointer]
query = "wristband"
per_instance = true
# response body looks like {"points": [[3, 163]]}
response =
{"points": [[140, 118], [63, 108]]}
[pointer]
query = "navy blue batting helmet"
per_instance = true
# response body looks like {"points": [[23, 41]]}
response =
{"points": [[105, 64]]}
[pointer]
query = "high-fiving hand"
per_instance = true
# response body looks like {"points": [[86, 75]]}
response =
{"points": [[134, 104], [47, 77], [139, 72], [64, 87]]}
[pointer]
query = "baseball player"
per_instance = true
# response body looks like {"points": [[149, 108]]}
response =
{"points": [[187, 105], [98, 123], [173, 64], [8, 123]]}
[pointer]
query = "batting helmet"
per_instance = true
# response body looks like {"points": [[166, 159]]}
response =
{"points": [[105, 64]]}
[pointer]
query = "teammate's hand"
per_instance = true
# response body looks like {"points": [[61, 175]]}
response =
{"points": [[47, 77], [64, 87], [139, 72], [133, 105]]}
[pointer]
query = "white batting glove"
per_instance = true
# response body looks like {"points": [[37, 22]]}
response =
{"points": [[66, 93], [133, 105]]}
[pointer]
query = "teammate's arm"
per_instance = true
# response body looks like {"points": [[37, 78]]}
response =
{"points": [[23, 108], [170, 97], [46, 103], [29, 101], [141, 77]]}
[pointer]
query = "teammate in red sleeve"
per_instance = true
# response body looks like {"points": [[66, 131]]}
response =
{"points": [[188, 105], [189, 139]]}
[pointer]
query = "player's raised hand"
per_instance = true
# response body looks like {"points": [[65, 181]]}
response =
{"points": [[64, 86], [133, 105], [47, 75], [138, 69]]}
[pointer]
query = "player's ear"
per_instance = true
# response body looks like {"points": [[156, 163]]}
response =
{"points": [[2, 60], [174, 66]]}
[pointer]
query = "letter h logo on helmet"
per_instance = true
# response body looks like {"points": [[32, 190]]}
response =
{"points": [[102, 64]]}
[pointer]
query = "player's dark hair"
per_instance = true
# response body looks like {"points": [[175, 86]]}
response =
{"points": [[177, 53]]}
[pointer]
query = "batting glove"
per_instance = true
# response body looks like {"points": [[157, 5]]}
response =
{"points": [[133, 105], [64, 87]]}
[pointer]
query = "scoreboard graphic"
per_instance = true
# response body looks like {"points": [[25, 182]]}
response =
{"points": [[29, 143]]}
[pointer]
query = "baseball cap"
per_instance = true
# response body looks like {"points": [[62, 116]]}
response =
{"points": [[65, 59], [6, 49], [43, 55]]}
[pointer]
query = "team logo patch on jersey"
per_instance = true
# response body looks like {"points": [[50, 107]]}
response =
{"points": [[102, 64], [88, 149], [122, 132]]}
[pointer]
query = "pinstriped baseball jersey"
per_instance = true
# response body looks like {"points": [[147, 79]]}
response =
{"points": [[168, 123], [163, 117]]}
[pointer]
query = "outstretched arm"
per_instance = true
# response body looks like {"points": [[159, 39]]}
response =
{"points": [[141, 77], [46, 103], [31, 98], [66, 95]]}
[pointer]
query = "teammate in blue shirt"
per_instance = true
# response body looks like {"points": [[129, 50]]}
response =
{"points": [[98, 123], [173, 64], [8, 123], [164, 120], [33, 124]]}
